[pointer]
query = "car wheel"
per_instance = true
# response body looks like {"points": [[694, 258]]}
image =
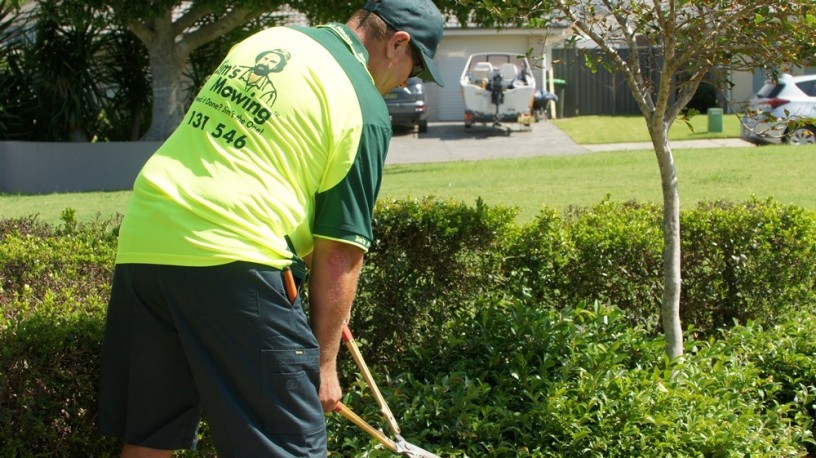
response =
{"points": [[423, 127], [803, 135]]}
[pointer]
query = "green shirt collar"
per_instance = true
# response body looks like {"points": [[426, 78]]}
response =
{"points": [[351, 40]]}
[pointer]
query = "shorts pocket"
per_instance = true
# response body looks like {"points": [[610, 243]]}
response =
{"points": [[291, 379]]}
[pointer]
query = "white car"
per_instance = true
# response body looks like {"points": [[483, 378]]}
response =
{"points": [[782, 111]]}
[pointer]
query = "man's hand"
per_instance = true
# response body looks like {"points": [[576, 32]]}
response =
{"points": [[330, 391]]}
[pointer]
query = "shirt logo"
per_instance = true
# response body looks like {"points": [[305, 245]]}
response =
{"points": [[257, 76], [254, 92]]}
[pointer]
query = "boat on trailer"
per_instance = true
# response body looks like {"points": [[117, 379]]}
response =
{"points": [[498, 88]]}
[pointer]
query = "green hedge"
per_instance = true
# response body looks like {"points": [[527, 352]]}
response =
{"points": [[430, 259], [474, 328], [54, 285], [754, 260], [524, 382]]}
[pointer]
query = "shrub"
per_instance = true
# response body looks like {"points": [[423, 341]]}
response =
{"points": [[753, 261], [618, 258], [430, 260], [70, 265], [537, 260], [785, 353], [740, 262], [706, 96], [48, 383], [461, 315]]}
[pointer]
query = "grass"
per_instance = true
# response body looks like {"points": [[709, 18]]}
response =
{"points": [[737, 174], [591, 130], [49, 207], [784, 173]]}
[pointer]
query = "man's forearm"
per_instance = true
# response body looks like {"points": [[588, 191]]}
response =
{"points": [[332, 287], [333, 284]]}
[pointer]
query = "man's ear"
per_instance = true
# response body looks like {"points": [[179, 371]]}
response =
{"points": [[397, 43]]}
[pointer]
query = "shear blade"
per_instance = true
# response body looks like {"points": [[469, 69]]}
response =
{"points": [[408, 449]]}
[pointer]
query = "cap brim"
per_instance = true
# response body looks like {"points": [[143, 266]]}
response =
{"points": [[431, 73]]}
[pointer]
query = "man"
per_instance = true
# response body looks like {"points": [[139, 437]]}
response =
{"points": [[250, 187]]}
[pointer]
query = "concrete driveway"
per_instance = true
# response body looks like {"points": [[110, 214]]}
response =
{"points": [[450, 141]]}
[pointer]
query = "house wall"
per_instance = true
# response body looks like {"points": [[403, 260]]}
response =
{"points": [[42, 167], [745, 85]]}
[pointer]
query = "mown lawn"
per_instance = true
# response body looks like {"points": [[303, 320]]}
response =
{"points": [[782, 172], [593, 130]]}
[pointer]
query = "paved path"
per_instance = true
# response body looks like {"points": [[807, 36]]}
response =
{"points": [[450, 141], [677, 144]]}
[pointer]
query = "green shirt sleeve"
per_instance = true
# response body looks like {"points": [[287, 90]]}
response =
{"points": [[344, 212]]}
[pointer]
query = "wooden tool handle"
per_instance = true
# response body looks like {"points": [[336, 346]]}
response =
{"points": [[289, 285], [375, 433], [348, 340]]}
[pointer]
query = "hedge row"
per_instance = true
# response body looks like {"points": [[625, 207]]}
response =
{"points": [[754, 260], [457, 304]]}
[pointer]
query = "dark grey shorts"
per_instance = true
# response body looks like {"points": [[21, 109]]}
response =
{"points": [[221, 339]]}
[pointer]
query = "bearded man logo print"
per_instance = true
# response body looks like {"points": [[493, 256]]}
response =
{"points": [[257, 76]]}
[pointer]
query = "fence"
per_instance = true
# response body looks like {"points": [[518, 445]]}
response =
{"points": [[600, 92]]}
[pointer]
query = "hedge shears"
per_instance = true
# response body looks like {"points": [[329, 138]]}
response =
{"points": [[399, 446]]}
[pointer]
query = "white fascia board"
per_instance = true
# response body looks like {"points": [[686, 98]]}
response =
{"points": [[554, 36]]}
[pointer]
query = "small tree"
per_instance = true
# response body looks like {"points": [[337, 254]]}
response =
{"points": [[9, 39], [694, 40], [168, 33]]}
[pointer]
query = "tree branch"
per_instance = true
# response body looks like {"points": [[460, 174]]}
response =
{"points": [[213, 30], [190, 17], [144, 30], [685, 94], [634, 80]]}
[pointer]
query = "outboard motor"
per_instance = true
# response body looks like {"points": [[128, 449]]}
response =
{"points": [[497, 91]]}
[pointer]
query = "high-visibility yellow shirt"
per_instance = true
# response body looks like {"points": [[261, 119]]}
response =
{"points": [[285, 142]]}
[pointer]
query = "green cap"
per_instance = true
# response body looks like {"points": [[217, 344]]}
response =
{"points": [[422, 20]]}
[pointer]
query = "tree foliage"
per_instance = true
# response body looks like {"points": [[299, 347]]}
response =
{"points": [[53, 88], [171, 31], [149, 58], [692, 37], [340, 10]]}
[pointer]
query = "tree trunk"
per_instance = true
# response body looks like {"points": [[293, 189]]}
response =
{"points": [[168, 96], [673, 332], [170, 42]]}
